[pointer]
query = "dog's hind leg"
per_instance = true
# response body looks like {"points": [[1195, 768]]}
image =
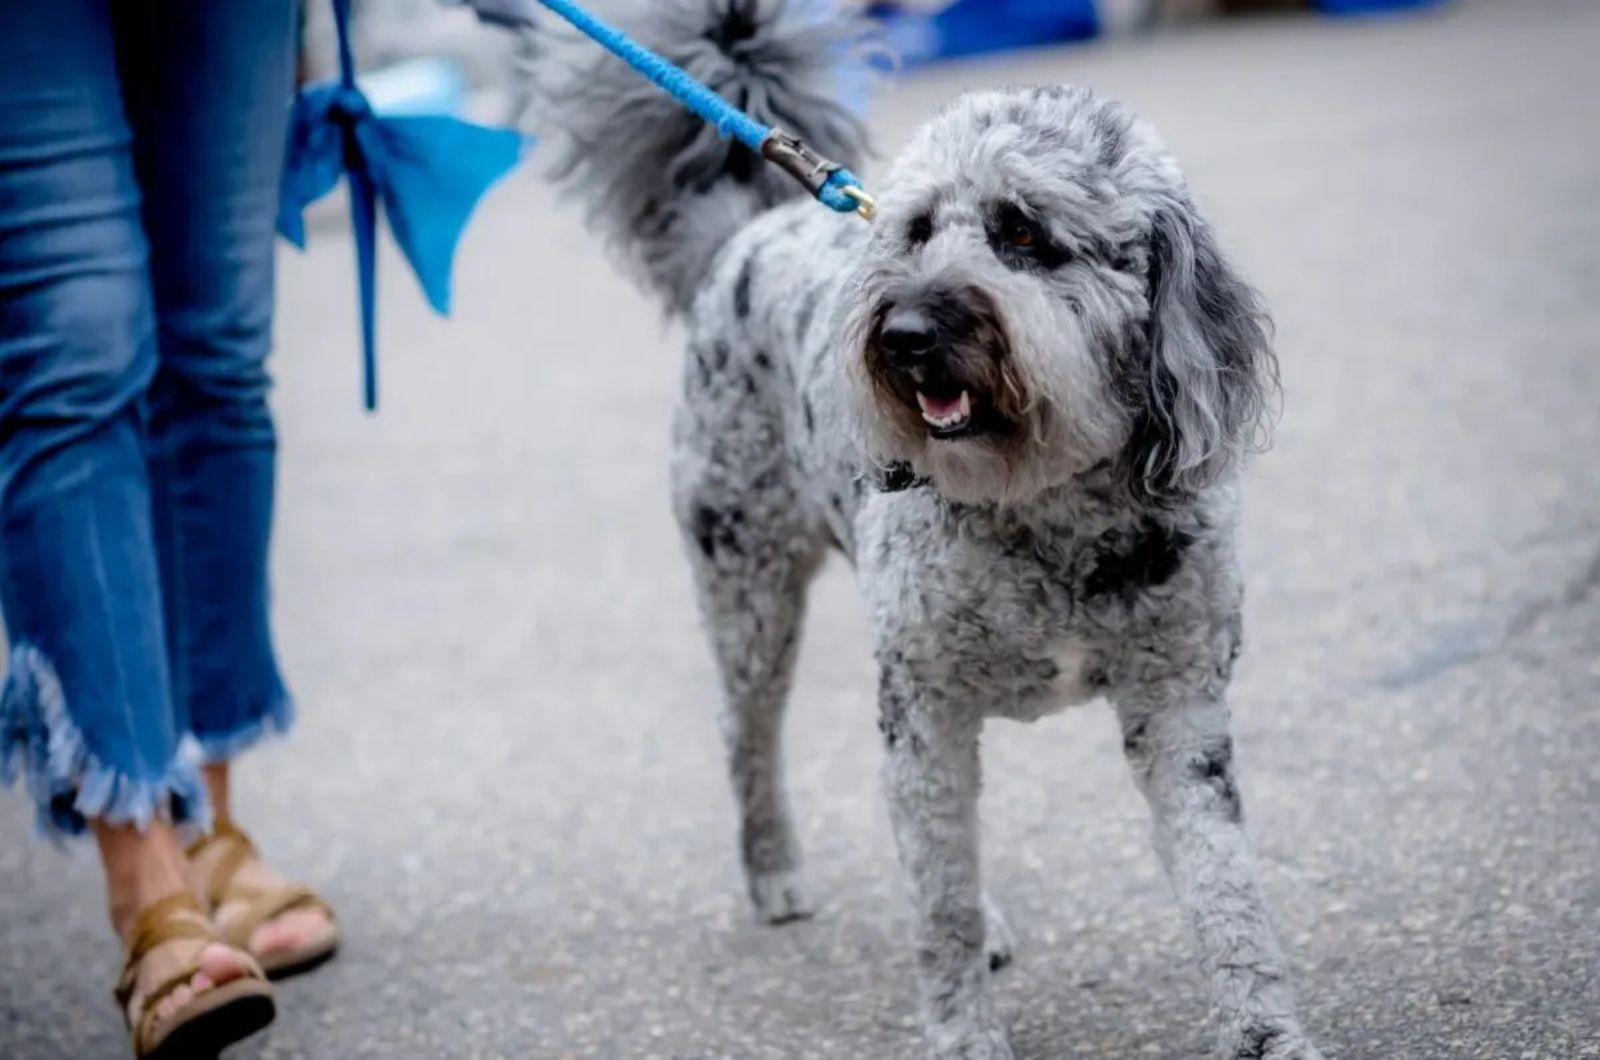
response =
{"points": [[753, 552], [752, 599], [1182, 759]]}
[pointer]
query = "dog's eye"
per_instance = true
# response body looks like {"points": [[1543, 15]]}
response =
{"points": [[1020, 233], [1022, 242]]}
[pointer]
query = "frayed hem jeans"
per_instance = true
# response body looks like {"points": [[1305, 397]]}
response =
{"points": [[141, 145]]}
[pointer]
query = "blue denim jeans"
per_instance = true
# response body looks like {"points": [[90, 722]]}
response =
{"points": [[141, 145]]}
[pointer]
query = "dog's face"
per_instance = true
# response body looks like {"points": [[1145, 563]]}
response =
{"points": [[1039, 298]]}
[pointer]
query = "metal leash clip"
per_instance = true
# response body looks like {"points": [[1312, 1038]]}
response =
{"points": [[791, 154], [866, 205]]}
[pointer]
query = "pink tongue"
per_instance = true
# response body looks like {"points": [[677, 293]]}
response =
{"points": [[939, 408]]}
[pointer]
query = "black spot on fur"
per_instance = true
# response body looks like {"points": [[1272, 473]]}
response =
{"points": [[737, 26], [920, 230], [762, 360], [719, 356], [1255, 1042], [714, 531], [741, 288], [897, 478], [743, 164], [1126, 564], [1133, 738], [1215, 767], [810, 415], [890, 730], [891, 708]]}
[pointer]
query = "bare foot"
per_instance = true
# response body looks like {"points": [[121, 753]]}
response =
{"points": [[284, 933], [218, 964], [144, 867]]}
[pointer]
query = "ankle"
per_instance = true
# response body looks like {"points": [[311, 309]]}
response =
{"points": [[216, 777], [141, 867]]}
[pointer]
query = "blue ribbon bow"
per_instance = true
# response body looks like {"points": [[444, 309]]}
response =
{"points": [[428, 171]]}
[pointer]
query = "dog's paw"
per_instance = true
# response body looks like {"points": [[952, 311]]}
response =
{"points": [[999, 941], [970, 1040], [1272, 1043], [779, 897]]}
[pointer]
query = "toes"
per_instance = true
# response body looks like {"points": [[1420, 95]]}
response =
{"points": [[173, 1002], [272, 937], [219, 964], [288, 931]]}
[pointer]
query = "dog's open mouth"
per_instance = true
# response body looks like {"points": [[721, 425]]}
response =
{"points": [[947, 415]]}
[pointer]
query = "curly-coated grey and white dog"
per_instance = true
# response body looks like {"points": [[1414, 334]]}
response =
{"points": [[1018, 404]]}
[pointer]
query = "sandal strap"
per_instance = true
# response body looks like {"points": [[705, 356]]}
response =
{"points": [[261, 904], [177, 916], [222, 828], [166, 986], [240, 849]]}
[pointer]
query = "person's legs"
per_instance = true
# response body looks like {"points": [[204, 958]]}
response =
{"points": [[85, 711], [144, 866], [208, 89], [86, 707]]}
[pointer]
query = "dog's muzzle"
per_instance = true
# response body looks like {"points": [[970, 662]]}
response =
{"points": [[931, 354]]}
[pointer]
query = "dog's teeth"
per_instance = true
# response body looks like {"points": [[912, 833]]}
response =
{"points": [[954, 414]]}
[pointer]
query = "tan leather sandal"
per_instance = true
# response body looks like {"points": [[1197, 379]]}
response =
{"points": [[238, 909], [215, 1019]]}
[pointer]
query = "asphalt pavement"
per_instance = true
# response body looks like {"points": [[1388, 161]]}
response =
{"points": [[507, 774]]}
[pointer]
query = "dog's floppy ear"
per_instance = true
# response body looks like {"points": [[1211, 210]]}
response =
{"points": [[1203, 396]]}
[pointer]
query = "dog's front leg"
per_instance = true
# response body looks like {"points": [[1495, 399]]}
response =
{"points": [[931, 777], [1182, 759]]}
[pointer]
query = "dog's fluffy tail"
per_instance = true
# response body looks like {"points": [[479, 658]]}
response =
{"points": [[659, 182]]}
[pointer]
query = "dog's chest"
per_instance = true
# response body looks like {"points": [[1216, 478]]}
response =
{"points": [[1005, 626], [1067, 677]]}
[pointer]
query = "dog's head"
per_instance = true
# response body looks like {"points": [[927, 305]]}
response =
{"points": [[1040, 298]]}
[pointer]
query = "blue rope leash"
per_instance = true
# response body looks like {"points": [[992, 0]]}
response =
{"points": [[833, 185]]}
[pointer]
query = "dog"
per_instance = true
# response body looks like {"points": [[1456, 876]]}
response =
{"points": [[1018, 404]]}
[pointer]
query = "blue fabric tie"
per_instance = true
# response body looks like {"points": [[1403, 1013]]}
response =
{"points": [[429, 173]]}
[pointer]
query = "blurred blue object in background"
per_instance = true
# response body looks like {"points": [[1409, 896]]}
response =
{"points": [[1372, 7], [970, 27]]}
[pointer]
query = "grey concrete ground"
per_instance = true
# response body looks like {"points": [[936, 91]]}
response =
{"points": [[506, 775]]}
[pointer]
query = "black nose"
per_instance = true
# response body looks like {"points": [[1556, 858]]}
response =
{"points": [[908, 336]]}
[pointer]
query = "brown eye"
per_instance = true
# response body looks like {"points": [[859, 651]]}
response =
{"points": [[1022, 242], [1021, 234]]}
